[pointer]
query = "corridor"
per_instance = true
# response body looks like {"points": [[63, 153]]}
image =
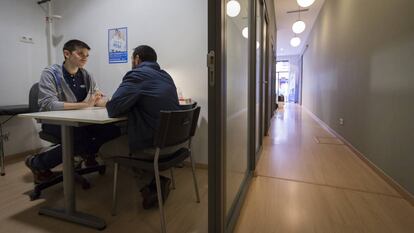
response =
{"points": [[309, 181]]}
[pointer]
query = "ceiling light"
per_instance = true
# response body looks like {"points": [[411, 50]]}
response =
{"points": [[295, 41], [233, 8], [245, 32], [305, 3], [298, 27]]}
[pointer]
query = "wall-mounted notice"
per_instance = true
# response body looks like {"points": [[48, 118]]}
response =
{"points": [[118, 45]]}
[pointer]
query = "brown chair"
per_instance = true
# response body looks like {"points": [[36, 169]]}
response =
{"points": [[175, 128]]}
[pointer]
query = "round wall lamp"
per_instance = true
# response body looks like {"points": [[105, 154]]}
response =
{"points": [[245, 32], [233, 8], [298, 27], [305, 3], [295, 41]]}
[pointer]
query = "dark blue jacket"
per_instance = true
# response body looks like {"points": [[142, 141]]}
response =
{"points": [[143, 93]]}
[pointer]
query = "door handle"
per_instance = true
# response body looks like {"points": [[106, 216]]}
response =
{"points": [[211, 60]]}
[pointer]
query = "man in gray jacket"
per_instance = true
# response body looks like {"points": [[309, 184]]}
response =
{"points": [[70, 86]]}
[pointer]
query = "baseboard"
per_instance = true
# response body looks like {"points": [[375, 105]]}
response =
{"points": [[256, 162], [389, 180], [13, 158], [198, 165]]}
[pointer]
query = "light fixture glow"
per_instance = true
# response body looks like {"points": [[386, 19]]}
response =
{"points": [[245, 32], [305, 3], [295, 41], [233, 8], [257, 44], [298, 27]]}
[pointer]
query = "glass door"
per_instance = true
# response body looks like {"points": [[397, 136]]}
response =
{"points": [[283, 71], [236, 117], [265, 77], [228, 65], [216, 84], [259, 73]]}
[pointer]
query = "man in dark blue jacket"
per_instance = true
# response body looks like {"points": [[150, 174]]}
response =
{"points": [[144, 92]]}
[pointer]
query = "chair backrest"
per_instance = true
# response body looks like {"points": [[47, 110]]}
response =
{"points": [[33, 98], [176, 127], [188, 106], [34, 107]]}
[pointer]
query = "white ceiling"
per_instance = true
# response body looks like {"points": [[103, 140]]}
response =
{"points": [[284, 23]]}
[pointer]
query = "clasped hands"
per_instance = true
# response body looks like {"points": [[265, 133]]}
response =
{"points": [[96, 99]]}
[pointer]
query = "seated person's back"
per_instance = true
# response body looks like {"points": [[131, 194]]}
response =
{"points": [[143, 93]]}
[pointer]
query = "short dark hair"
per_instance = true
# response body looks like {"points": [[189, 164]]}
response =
{"points": [[73, 45], [145, 53]]}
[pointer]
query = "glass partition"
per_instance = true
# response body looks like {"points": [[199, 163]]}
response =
{"points": [[236, 144], [259, 10]]}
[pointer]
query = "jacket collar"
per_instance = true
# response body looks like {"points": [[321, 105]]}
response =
{"points": [[153, 65]]}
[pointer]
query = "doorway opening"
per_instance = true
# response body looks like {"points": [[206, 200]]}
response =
{"points": [[286, 81]]}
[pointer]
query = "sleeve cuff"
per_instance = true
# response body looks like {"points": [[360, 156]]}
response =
{"points": [[57, 106]]}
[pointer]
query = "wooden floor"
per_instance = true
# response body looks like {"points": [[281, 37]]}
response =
{"points": [[18, 214], [308, 181]]}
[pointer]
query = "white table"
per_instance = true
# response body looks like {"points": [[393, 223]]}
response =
{"points": [[67, 120]]}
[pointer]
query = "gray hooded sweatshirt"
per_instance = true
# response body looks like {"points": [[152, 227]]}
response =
{"points": [[53, 90]]}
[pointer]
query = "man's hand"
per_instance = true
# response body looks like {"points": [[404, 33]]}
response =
{"points": [[101, 102], [96, 99], [98, 94], [91, 101], [100, 99]]}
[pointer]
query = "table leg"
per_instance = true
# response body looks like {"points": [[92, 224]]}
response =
{"points": [[2, 170], [69, 212]]}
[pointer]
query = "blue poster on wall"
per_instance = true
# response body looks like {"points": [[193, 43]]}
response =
{"points": [[118, 45]]}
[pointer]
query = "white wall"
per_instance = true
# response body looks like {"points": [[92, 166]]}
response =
{"points": [[177, 30], [359, 67], [20, 63], [20, 66]]}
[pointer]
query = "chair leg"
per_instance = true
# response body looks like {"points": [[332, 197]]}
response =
{"points": [[172, 178], [195, 179], [159, 195], [160, 204], [114, 193]]}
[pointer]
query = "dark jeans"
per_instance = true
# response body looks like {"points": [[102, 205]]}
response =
{"points": [[86, 141]]}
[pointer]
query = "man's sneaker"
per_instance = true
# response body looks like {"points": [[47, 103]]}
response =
{"points": [[165, 187], [149, 192], [39, 176], [149, 197], [90, 161]]}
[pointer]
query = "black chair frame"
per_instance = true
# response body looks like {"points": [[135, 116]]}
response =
{"points": [[176, 128]]}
